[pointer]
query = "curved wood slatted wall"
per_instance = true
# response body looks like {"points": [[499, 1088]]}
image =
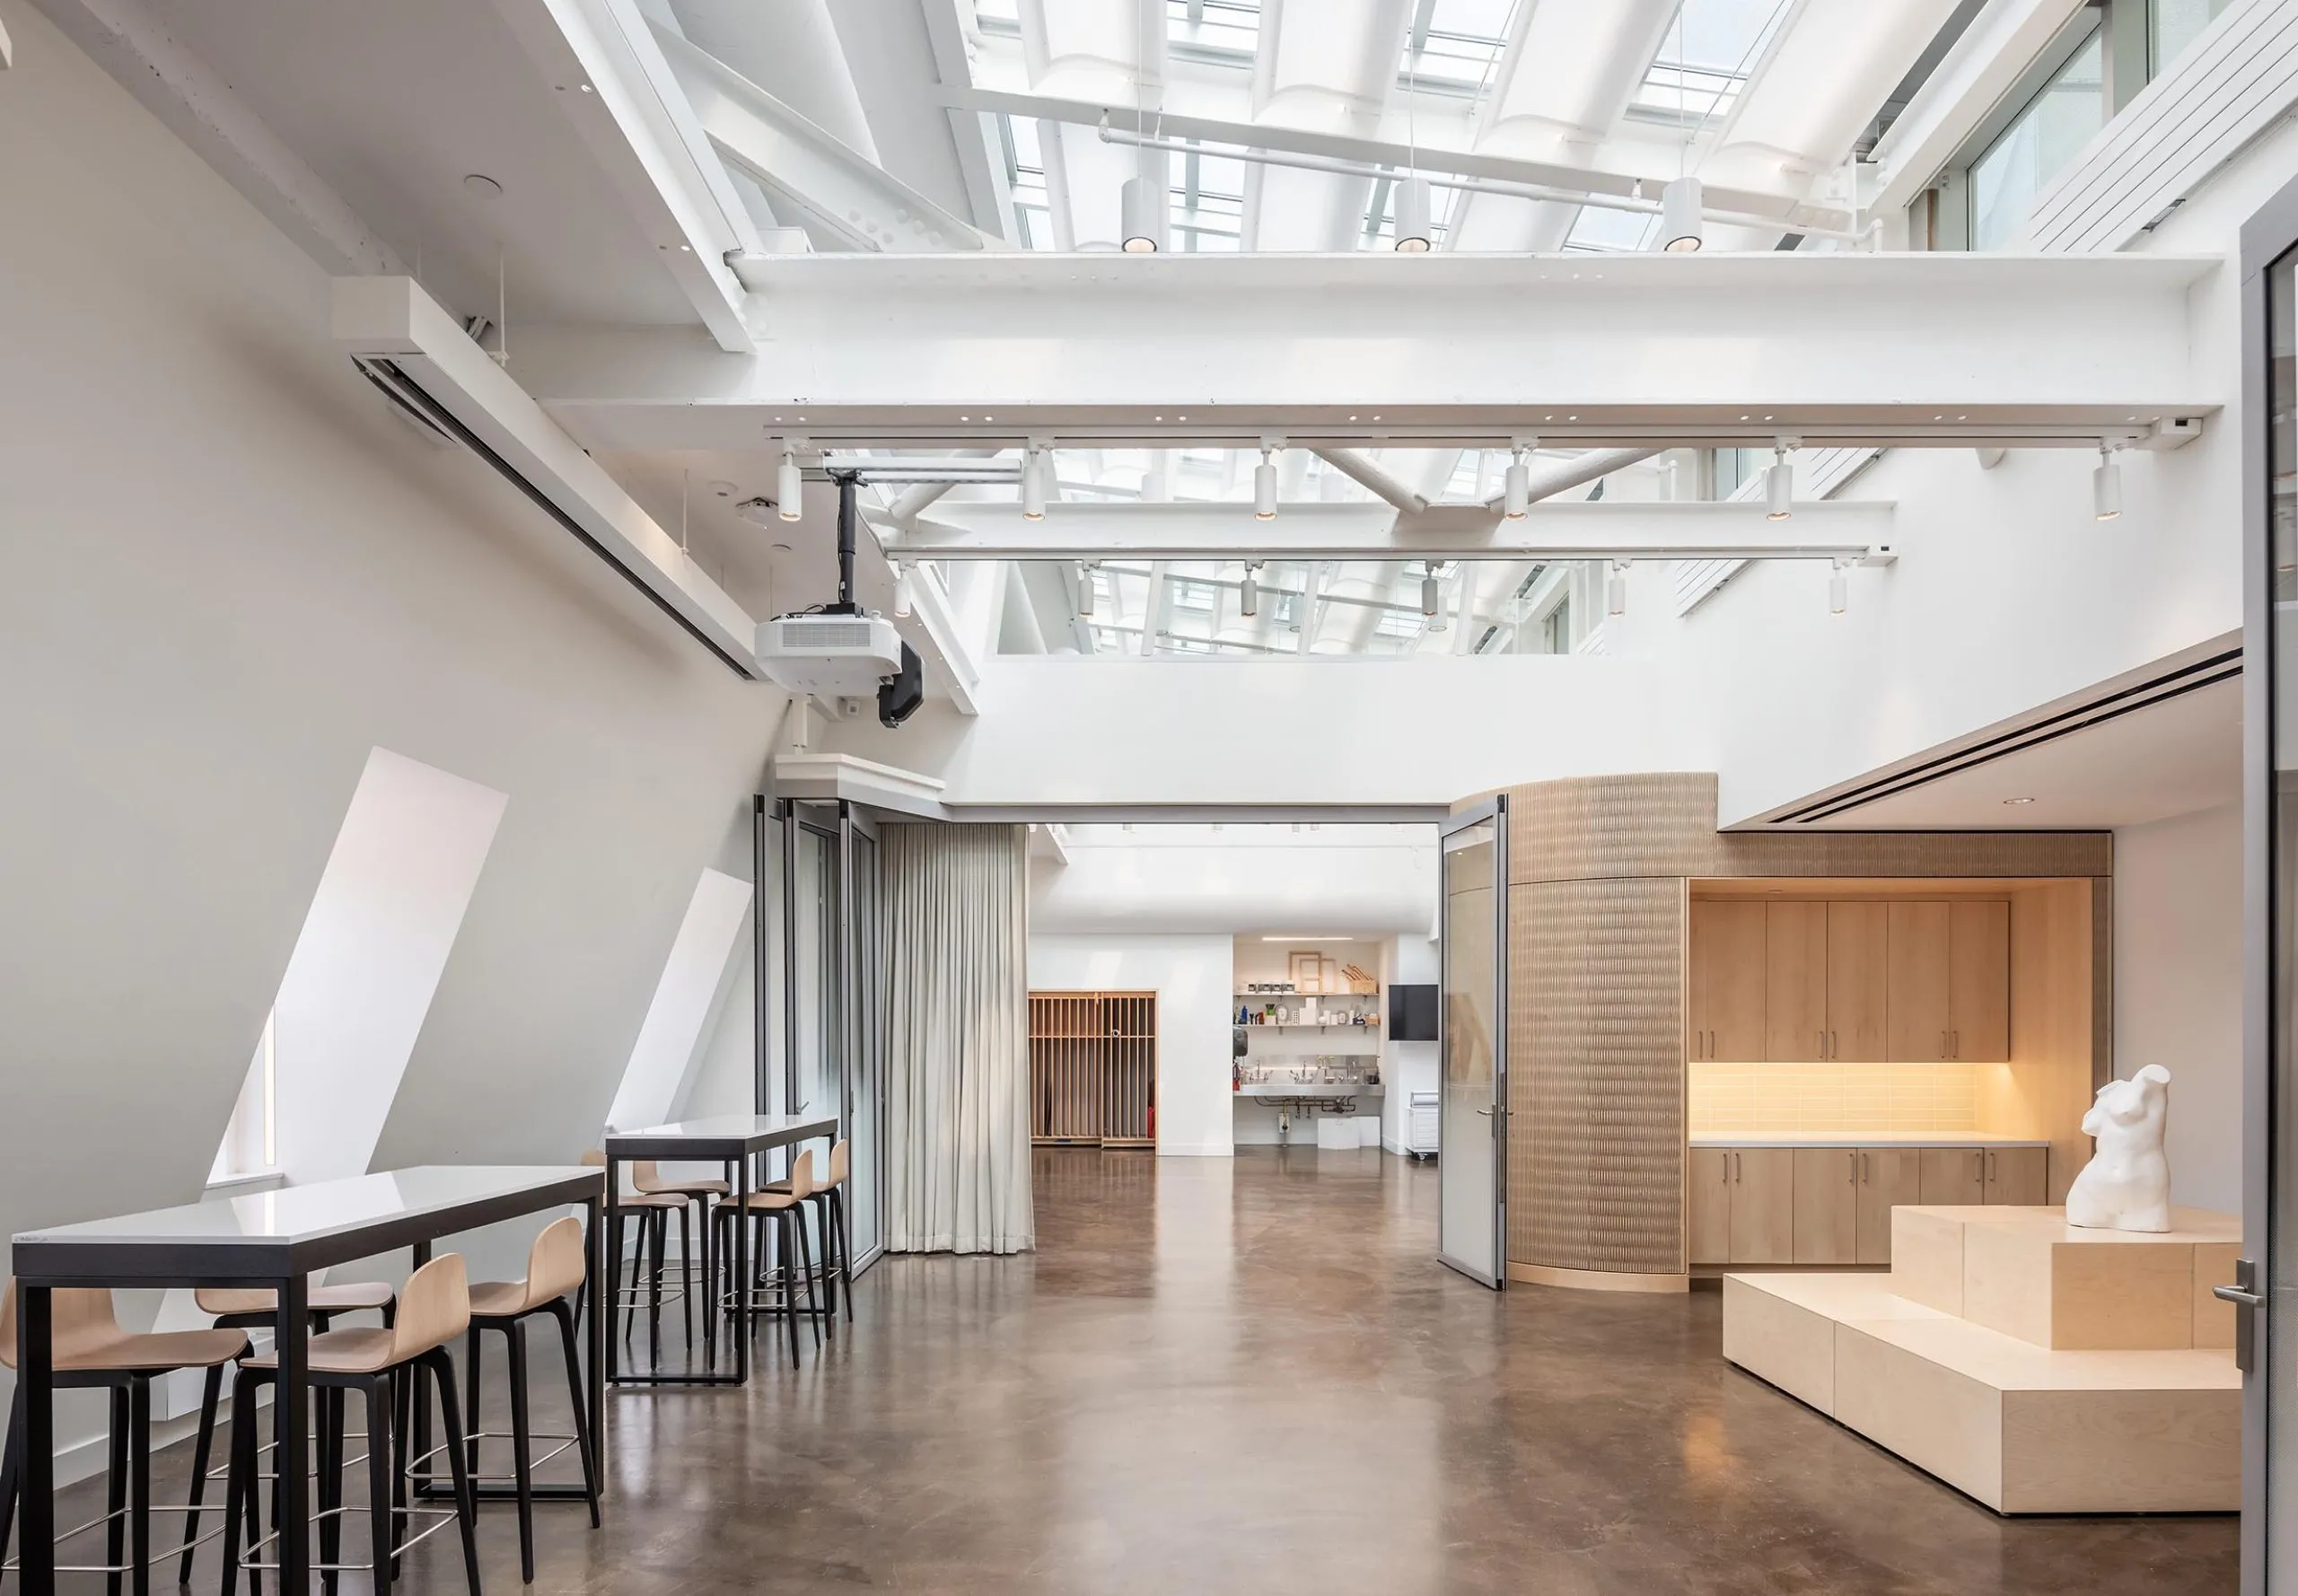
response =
{"points": [[1093, 1068]]}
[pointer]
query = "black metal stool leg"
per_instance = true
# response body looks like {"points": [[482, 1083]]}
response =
{"points": [[12, 1467], [115, 1496], [210, 1396], [442, 1377], [139, 1485], [381, 1539], [522, 1466], [473, 1353], [806, 1270], [580, 1399], [686, 1276]]}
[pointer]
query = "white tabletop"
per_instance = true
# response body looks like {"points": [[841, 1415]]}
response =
{"points": [[749, 1132], [299, 1218]]}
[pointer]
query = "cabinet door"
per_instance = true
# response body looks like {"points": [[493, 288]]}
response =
{"points": [[1763, 1205], [1888, 1176], [1917, 1002], [1727, 980], [1707, 1227], [1954, 1175], [1827, 1206], [2018, 1175], [1858, 943], [1979, 982], [1795, 981]]}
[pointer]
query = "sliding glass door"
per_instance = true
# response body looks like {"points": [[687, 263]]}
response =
{"points": [[865, 1071], [1472, 1026], [812, 1074]]}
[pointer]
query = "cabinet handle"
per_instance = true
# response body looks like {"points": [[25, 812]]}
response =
{"points": [[1942, 1046], [1978, 1167], [1992, 1168], [1864, 1171], [1735, 1166], [1854, 1167], [1835, 1044]]}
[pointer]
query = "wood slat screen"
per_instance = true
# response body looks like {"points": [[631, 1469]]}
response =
{"points": [[1093, 1068]]}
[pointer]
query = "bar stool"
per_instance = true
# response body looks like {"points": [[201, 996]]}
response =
{"points": [[258, 1308], [555, 1268], [830, 1199], [90, 1350], [795, 1253], [386, 1366], [646, 1179], [652, 1209]]}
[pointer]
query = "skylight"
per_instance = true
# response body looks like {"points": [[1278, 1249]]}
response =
{"points": [[1704, 59], [1456, 45]]}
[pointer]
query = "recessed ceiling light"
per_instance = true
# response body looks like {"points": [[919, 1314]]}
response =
{"points": [[2017, 801], [585, 88], [480, 186]]}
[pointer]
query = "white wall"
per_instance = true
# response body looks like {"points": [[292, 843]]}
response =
{"points": [[1257, 877], [1406, 1067], [1190, 975], [2178, 963], [231, 574]]}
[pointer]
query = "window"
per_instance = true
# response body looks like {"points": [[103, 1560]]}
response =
{"points": [[2171, 25], [2046, 135], [251, 1140], [1704, 59], [1399, 623], [1200, 596]]}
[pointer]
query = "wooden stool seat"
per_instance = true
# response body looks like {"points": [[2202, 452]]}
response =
{"points": [[365, 1296], [362, 1351]]}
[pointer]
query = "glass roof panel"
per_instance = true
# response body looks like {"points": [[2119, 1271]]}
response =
{"points": [[1706, 57]]}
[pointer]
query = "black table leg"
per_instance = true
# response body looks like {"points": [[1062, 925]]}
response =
{"points": [[418, 1435], [599, 1339], [612, 1294], [36, 1389], [742, 1271], [292, 1405]]}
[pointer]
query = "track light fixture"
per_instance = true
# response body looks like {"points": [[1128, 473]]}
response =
{"points": [[1519, 498], [1086, 582], [902, 590], [1779, 486], [1413, 207], [1141, 231], [1431, 597], [1249, 594], [1616, 590], [788, 488], [1033, 475], [1265, 484], [1680, 229], [1839, 588], [2106, 484]]}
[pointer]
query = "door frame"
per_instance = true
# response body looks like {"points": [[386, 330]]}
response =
{"points": [[1495, 809], [2268, 237], [856, 822]]}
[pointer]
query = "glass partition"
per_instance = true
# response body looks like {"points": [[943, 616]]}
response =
{"points": [[1472, 1114]]}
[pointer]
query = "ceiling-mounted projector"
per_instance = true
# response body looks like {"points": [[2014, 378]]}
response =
{"points": [[830, 656]]}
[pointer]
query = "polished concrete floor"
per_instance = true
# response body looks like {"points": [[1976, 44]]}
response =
{"points": [[1251, 1376]]}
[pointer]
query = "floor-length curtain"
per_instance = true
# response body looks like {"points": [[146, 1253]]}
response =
{"points": [[956, 901]]}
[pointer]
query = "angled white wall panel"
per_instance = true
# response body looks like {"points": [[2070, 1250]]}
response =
{"points": [[369, 958], [694, 980]]}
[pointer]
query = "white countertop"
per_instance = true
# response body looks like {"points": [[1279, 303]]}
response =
{"points": [[1866, 1138]]}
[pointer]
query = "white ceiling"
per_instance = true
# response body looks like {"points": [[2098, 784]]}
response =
{"points": [[2173, 759], [392, 105]]}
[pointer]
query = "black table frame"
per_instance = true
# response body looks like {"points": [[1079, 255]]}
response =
{"points": [[43, 1264], [737, 1149]]}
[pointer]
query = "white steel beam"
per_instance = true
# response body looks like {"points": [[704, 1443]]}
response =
{"points": [[972, 530], [1377, 348], [392, 320], [795, 160], [629, 109], [1368, 474]]}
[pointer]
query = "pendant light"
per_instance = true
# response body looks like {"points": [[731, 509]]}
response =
{"points": [[2106, 486], [1265, 486], [1679, 223], [787, 488], [1141, 218], [1086, 582], [1519, 501], [1780, 486], [1413, 209], [1249, 594], [1839, 588], [1616, 590], [1033, 484], [901, 590], [1431, 597]]}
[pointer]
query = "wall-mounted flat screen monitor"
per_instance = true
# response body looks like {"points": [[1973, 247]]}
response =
{"points": [[1412, 1011]]}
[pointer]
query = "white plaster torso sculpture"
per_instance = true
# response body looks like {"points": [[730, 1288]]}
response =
{"points": [[2127, 1184]]}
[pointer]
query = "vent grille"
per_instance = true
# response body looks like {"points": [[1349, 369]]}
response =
{"points": [[811, 634]]}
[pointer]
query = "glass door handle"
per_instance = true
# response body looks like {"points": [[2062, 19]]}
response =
{"points": [[2235, 1294]]}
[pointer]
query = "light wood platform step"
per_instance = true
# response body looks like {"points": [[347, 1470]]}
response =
{"points": [[2022, 1428]]}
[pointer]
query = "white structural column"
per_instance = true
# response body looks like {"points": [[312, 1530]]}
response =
{"points": [[1350, 350]]}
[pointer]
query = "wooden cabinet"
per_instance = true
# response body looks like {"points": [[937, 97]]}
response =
{"points": [[1795, 981], [2020, 1175], [1763, 1205], [1858, 981], [1827, 1206], [1917, 1012], [1727, 980], [1888, 1177], [1707, 1206], [1954, 1175], [1979, 982]]}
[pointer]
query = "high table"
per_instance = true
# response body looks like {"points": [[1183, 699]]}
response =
{"points": [[722, 1139], [268, 1238]]}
